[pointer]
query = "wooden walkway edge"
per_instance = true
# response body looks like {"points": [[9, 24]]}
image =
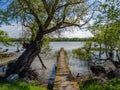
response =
{"points": [[64, 79]]}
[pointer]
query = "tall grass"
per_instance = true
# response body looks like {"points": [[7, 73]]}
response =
{"points": [[19, 86], [113, 84]]}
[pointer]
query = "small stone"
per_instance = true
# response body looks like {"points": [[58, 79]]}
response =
{"points": [[12, 77], [26, 79]]}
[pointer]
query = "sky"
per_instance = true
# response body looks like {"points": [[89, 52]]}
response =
{"points": [[15, 31], [77, 34]]}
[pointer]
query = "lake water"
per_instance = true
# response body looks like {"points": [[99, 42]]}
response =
{"points": [[53, 45], [66, 44], [76, 65]]}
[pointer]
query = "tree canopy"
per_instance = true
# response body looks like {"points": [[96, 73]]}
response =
{"points": [[50, 15]]}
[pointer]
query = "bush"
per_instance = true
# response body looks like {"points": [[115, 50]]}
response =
{"points": [[91, 84], [19, 86]]}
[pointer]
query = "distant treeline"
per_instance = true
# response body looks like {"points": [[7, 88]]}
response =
{"points": [[18, 39], [53, 39], [70, 39]]}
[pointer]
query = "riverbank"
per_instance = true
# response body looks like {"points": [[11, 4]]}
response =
{"points": [[92, 84], [6, 60]]}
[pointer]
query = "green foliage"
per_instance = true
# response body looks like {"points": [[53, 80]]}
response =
{"points": [[81, 53], [53, 39], [4, 38], [106, 27], [19, 86], [45, 43], [3, 16], [92, 84], [18, 39], [70, 39], [84, 52]]}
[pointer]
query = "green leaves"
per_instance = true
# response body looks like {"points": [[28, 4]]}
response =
{"points": [[92, 84], [4, 38], [3, 35], [106, 27]]}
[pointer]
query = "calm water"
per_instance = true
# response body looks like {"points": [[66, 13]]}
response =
{"points": [[76, 65], [53, 45], [67, 45]]}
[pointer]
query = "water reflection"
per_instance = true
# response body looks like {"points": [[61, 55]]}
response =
{"points": [[45, 75], [78, 66]]}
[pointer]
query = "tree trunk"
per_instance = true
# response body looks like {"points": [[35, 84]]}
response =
{"points": [[105, 39], [117, 55], [28, 56], [100, 52]]}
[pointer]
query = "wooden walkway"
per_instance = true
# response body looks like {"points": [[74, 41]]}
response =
{"points": [[64, 79]]}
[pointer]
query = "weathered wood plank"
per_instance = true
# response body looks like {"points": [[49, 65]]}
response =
{"points": [[64, 79]]}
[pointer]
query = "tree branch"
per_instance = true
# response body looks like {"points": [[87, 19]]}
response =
{"points": [[31, 10], [51, 14], [53, 28], [68, 4], [46, 6], [43, 66], [66, 24]]}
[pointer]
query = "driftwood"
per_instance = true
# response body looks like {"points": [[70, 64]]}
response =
{"points": [[6, 54], [28, 72], [97, 69]]}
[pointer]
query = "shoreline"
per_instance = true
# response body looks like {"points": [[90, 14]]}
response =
{"points": [[9, 59]]}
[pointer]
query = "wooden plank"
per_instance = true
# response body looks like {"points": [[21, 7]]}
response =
{"points": [[64, 79]]}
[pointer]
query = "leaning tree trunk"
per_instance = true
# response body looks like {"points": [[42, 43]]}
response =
{"points": [[28, 56]]}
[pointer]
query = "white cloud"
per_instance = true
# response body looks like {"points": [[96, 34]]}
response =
{"points": [[76, 33], [13, 31]]}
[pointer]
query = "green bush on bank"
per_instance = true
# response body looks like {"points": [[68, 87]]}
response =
{"points": [[19, 86], [91, 84]]}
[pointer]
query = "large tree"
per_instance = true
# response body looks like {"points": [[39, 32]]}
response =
{"points": [[106, 29], [47, 16]]}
